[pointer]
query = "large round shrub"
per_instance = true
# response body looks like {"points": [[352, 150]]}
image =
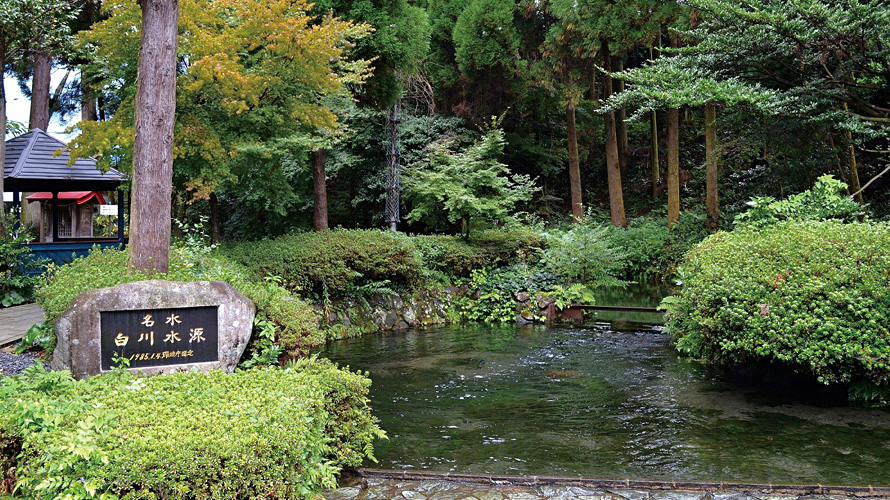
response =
{"points": [[813, 295]]}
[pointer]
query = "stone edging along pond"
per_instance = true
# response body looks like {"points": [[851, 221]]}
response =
{"points": [[635, 484], [384, 312]]}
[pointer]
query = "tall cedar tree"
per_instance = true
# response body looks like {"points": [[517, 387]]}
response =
{"points": [[606, 30], [397, 45], [24, 23], [154, 114], [820, 62]]}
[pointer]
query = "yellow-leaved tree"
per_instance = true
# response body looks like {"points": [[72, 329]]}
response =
{"points": [[253, 78]]}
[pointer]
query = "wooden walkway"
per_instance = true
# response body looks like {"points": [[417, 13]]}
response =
{"points": [[573, 311], [15, 322]]}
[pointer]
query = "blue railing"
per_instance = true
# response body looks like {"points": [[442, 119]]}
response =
{"points": [[64, 253]]}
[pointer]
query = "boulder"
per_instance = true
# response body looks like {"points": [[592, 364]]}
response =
{"points": [[159, 326]]}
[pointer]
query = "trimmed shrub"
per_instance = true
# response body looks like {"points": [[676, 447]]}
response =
{"points": [[272, 433], [457, 257], [813, 295], [332, 263], [295, 321]]}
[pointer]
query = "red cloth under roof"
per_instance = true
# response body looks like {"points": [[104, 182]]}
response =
{"points": [[80, 197]]}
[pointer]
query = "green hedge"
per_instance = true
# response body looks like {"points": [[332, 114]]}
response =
{"points": [[814, 295], [332, 262], [338, 263], [454, 256], [272, 433], [296, 322]]}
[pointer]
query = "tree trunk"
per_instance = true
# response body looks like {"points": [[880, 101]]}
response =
{"points": [[319, 179], [574, 164], [673, 184], [616, 194], [40, 91], [88, 102], [153, 143], [620, 117], [854, 172], [2, 127], [89, 14], [214, 219], [653, 132], [653, 154], [711, 167]]}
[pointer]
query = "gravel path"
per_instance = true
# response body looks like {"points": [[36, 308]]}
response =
{"points": [[13, 364]]}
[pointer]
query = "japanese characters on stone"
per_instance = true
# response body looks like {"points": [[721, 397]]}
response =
{"points": [[159, 337]]}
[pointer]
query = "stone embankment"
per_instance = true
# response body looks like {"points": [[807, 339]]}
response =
{"points": [[384, 312], [380, 488]]}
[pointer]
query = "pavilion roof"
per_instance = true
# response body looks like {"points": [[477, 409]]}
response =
{"points": [[32, 165]]}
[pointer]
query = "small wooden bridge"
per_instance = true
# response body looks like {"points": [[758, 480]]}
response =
{"points": [[575, 311]]}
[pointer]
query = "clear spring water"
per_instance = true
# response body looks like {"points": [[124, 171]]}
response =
{"points": [[612, 400]]}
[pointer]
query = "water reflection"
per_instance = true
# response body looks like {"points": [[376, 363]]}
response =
{"points": [[599, 403]]}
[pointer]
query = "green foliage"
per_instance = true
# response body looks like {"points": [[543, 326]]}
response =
{"points": [[824, 201], [813, 295], [585, 254], [397, 45], [484, 36], [294, 319], [333, 261], [563, 296], [652, 250], [264, 350], [493, 298], [816, 60], [15, 129], [465, 186], [449, 256], [16, 284], [40, 334], [273, 433]]}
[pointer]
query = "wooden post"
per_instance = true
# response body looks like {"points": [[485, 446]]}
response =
{"points": [[55, 216], [120, 218], [17, 209]]}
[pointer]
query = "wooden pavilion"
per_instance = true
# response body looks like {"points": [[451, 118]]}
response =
{"points": [[66, 198]]}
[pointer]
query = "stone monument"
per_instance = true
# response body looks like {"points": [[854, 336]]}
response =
{"points": [[156, 326]]}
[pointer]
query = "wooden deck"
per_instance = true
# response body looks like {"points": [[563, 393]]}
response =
{"points": [[15, 322]]}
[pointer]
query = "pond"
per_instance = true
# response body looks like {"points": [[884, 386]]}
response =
{"points": [[612, 400]]}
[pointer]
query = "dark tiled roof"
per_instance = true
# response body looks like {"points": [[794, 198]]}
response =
{"points": [[31, 161]]}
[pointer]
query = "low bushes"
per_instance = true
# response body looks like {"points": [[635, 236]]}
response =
{"points": [[654, 251], [271, 433], [340, 263], [294, 320], [814, 295], [332, 262], [453, 256]]}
